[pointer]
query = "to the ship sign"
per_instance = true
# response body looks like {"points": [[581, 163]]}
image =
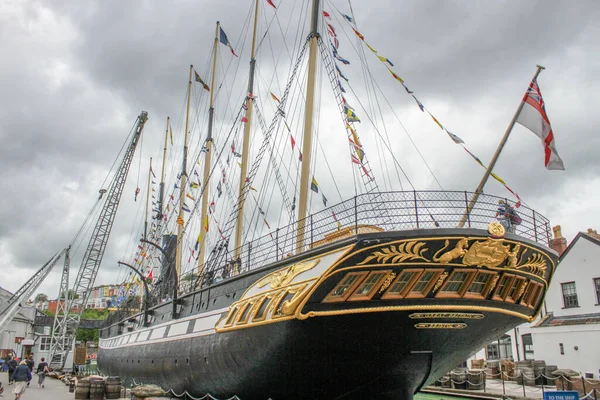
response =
{"points": [[561, 396]]}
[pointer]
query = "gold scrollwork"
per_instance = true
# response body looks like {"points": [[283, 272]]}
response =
{"points": [[522, 290], [284, 276], [412, 250], [536, 263], [447, 315], [494, 283], [440, 325], [387, 282], [440, 281], [489, 253]]}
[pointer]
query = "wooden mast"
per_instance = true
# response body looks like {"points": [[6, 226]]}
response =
{"points": [[308, 122], [183, 184], [144, 246], [245, 147], [489, 169], [161, 189], [205, 183]]}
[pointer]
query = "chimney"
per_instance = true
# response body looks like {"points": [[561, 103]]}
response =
{"points": [[559, 243]]}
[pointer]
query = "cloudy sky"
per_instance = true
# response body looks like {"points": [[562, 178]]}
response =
{"points": [[75, 74]]}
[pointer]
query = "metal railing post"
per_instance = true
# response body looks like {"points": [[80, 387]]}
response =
{"points": [[467, 210], [355, 215], [548, 232], [583, 384], [534, 226], [523, 379], [277, 244], [311, 231], [416, 208]]}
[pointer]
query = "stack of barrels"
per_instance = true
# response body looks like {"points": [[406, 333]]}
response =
{"points": [[524, 374], [98, 388]]}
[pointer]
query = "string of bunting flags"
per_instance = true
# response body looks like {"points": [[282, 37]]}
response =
{"points": [[456, 139]]}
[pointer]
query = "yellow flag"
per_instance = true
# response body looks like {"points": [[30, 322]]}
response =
{"points": [[498, 178], [171, 132], [206, 223], [370, 48], [275, 98]]}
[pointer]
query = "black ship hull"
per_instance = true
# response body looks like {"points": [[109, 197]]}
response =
{"points": [[381, 315]]}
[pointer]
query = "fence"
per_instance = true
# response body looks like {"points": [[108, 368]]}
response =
{"points": [[509, 385], [390, 211]]}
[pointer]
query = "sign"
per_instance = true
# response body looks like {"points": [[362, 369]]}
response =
{"points": [[563, 395], [80, 355]]}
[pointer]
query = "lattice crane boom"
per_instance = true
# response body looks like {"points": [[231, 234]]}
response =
{"points": [[26, 291], [93, 255]]}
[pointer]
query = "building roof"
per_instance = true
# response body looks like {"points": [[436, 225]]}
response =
{"points": [[581, 319], [590, 235]]}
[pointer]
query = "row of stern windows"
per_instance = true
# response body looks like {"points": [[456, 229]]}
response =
{"points": [[418, 283]]}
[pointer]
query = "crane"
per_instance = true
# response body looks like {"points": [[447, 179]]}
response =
{"points": [[26, 291], [63, 334]]}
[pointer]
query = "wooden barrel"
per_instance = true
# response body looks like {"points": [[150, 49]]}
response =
{"points": [[113, 387], [459, 379], [97, 389], [82, 391]]}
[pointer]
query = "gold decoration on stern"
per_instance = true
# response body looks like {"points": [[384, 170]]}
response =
{"points": [[521, 291], [286, 275], [387, 282], [458, 251], [490, 253], [440, 325], [536, 263], [447, 315], [496, 229], [440, 281], [494, 283], [405, 251]]}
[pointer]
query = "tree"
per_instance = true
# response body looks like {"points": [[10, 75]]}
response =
{"points": [[40, 298]]}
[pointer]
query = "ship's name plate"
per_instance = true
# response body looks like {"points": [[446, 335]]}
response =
{"points": [[448, 315], [439, 325]]}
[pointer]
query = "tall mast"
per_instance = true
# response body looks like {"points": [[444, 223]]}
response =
{"points": [[308, 122], [161, 189], [147, 203], [209, 139], [245, 146], [183, 183], [489, 169]]}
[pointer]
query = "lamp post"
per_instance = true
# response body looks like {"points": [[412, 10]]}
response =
{"points": [[146, 291], [174, 274]]}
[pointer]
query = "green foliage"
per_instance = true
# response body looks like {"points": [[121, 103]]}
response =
{"points": [[92, 313], [87, 335], [40, 297], [47, 313]]}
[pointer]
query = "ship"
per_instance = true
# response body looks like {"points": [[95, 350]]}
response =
{"points": [[378, 301]]}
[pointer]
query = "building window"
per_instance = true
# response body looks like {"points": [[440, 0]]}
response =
{"points": [[569, 294], [499, 349], [45, 344], [528, 346], [562, 348], [597, 285]]}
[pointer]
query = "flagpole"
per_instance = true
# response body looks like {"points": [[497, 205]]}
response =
{"points": [[489, 169], [205, 183], [144, 249], [183, 183], [245, 150], [161, 189], [308, 124]]}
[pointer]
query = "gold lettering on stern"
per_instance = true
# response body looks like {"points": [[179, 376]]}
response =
{"points": [[447, 315], [440, 325]]}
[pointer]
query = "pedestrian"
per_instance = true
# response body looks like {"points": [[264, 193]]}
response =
{"points": [[505, 214], [42, 370], [12, 365], [21, 376], [30, 365]]}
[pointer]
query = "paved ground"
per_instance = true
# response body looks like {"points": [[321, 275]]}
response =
{"points": [[54, 390]]}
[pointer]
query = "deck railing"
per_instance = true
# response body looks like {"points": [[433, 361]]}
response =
{"points": [[387, 211]]}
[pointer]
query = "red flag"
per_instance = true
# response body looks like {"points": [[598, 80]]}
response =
{"points": [[271, 4], [533, 117], [355, 159], [300, 158], [244, 119], [326, 14], [293, 142]]}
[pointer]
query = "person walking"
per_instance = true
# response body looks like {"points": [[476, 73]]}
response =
{"points": [[21, 376], [42, 370], [12, 365], [30, 365], [504, 216]]}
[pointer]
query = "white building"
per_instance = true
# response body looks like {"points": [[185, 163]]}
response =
{"points": [[18, 337], [567, 332]]}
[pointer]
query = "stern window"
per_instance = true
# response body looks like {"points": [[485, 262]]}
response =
{"points": [[424, 284], [402, 283], [502, 289], [367, 290], [480, 286], [345, 287], [457, 284], [514, 290]]}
